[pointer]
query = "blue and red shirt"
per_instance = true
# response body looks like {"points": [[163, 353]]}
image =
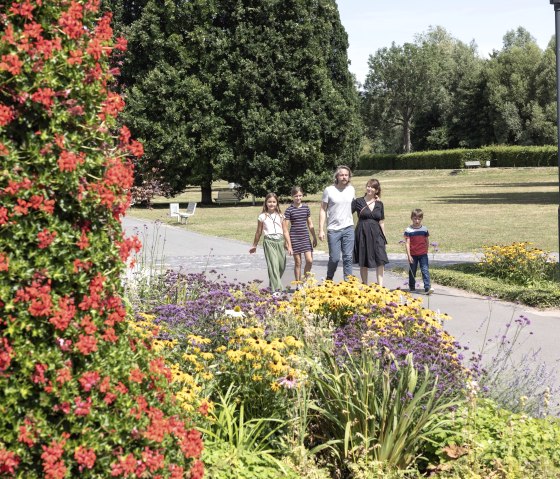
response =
{"points": [[418, 238]]}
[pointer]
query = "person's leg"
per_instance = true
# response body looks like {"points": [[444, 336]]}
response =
{"points": [[275, 262], [412, 267], [425, 272], [380, 272], [334, 241], [347, 250], [308, 262], [364, 274], [297, 266]]}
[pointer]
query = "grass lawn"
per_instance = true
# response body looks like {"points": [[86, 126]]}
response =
{"points": [[463, 209]]}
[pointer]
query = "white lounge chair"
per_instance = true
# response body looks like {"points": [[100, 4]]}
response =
{"points": [[175, 211]]}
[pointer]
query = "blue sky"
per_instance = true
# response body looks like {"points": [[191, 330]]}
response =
{"points": [[374, 24]]}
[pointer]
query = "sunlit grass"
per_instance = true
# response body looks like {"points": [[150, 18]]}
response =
{"points": [[464, 210]]}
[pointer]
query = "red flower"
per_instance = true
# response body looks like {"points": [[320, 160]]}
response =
{"points": [[109, 398], [136, 148], [121, 44], [110, 335], [75, 58], [4, 262], [25, 9], [89, 380], [44, 96], [191, 445], [63, 375], [6, 351], [85, 457], [71, 21], [154, 460], [82, 408], [86, 344], [11, 63], [4, 150], [45, 238], [39, 374], [9, 462], [83, 242], [68, 161], [125, 466], [3, 215], [6, 114], [136, 376], [88, 325], [197, 470], [26, 436], [66, 312], [111, 106]]}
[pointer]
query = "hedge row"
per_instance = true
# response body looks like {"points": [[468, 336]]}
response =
{"points": [[502, 156]]}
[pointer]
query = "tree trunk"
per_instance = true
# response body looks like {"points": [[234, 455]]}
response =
{"points": [[206, 194], [407, 146]]}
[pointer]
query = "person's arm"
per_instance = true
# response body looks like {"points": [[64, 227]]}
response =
{"points": [[322, 220], [408, 249], [382, 225], [312, 231], [258, 234], [286, 232]]}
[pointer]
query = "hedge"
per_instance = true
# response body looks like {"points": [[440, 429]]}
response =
{"points": [[496, 155]]}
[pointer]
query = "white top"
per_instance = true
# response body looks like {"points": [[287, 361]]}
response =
{"points": [[339, 209], [272, 224]]}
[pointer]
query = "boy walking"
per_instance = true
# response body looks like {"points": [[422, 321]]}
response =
{"points": [[416, 236]]}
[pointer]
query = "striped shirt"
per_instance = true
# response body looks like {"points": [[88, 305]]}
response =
{"points": [[299, 233], [418, 240]]}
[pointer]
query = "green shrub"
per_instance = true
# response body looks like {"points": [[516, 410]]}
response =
{"points": [[79, 396], [377, 161], [494, 439], [519, 156]]}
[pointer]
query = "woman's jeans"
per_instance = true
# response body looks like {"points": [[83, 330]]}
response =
{"points": [[423, 261], [340, 241]]}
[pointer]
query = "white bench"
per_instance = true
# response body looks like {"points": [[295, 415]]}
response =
{"points": [[175, 211], [227, 196], [472, 164]]}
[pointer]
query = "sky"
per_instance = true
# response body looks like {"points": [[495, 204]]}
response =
{"points": [[374, 24]]}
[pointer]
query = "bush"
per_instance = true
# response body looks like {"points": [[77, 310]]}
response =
{"points": [[497, 155], [79, 396], [518, 263]]}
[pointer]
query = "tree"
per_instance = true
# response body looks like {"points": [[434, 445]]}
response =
{"points": [[401, 82], [511, 87], [269, 102], [81, 395]]}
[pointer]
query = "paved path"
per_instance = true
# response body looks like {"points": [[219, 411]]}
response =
{"points": [[474, 317]]}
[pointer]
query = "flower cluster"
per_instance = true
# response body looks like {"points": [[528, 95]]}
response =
{"points": [[80, 395], [518, 263]]}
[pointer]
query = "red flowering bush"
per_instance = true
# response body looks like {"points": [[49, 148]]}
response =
{"points": [[79, 395]]}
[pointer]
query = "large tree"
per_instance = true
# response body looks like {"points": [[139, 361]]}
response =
{"points": [[401, 83], [258, 93]]}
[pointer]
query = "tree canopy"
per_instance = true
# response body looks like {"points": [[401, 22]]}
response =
{"points": [[256, 93]]}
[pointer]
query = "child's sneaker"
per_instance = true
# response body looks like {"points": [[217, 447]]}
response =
{"points": [[429, 290]]}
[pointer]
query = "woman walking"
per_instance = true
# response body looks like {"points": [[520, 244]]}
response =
{"points": [[370, 239]]}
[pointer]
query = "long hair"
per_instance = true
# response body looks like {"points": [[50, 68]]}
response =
{"points": [[374, 183], [271, 195]]}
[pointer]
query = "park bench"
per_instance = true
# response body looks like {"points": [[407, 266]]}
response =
{"points": [[175, 211], [227, 196], [472, 164]]}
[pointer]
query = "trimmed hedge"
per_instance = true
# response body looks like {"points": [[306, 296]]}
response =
{"points": [[497, 155]]}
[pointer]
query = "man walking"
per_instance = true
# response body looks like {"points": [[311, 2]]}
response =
{"points": [[336, 212]]}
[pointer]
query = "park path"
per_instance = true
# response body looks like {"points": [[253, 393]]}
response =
{"points": [[474, 318]]}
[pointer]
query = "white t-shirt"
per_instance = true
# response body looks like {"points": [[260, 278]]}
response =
{"points": [[272, 224], [339, 210]]}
